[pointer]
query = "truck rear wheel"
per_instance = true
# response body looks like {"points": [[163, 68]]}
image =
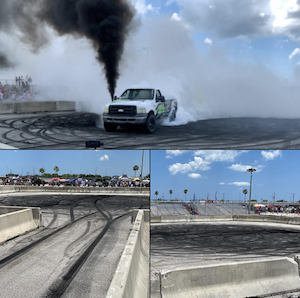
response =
{"points": [[150, 125], [110, 127], [172, 116]]}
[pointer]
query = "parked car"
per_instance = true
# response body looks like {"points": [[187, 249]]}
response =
{"points": [[94, 183]]}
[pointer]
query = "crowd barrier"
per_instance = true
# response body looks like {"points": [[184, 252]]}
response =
{"points": [[131, 279]]}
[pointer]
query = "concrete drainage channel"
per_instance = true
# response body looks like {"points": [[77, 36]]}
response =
{"points": [[260, 278]]}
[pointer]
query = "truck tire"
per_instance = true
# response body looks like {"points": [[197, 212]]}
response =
{"points": [[172, 116], [110, 127], [150, 125]]}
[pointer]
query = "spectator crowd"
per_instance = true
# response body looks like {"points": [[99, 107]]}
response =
{"points": [[20, 91]]}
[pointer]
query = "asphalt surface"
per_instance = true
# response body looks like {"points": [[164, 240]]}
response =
{"points": [[70, 130], [76, 251], [182, 245]]}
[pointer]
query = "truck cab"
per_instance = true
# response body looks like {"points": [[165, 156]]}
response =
{"points": [[141, 107]]}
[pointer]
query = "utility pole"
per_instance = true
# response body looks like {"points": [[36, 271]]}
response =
{"points": [[223, 196], [142, 168], [273, 198], [293, 196], [250, 171]]}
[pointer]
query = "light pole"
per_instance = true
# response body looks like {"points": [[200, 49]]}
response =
{"points": [[251, 171]]}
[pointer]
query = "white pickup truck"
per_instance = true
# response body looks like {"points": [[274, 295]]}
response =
{"points": [[142, 107]]}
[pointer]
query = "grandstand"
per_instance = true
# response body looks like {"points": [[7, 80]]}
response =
{"points": [[202, 208], [168, 209]]}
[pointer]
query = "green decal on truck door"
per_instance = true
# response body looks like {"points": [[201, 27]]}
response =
{"points": [[160, 110]]}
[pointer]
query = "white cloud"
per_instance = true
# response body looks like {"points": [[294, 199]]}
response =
{"points": [[208, 41], [222, 183], [224, 18], [270, 155], [195, 175], [244, 168], [239, 183], [142, 8], [175, 17], [294, 53], [219, 155], [173, 153], [198, 164], [104, 157]]}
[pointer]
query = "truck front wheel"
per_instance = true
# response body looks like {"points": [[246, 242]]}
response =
{"points": [[110, 127], [150, 124]]}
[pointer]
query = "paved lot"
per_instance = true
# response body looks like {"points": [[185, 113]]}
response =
{"points": [[61, 265], [70, 130], [182, 245]]}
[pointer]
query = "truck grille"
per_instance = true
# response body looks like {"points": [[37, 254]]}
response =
{"points": [[122, 110]]}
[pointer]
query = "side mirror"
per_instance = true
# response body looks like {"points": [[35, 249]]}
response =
{"points": [[160, 98], [115, 97]]}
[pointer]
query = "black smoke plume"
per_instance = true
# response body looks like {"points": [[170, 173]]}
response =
{"points": [[104, 22], [4, 62]]}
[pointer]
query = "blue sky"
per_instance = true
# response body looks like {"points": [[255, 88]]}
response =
{"points": [[222, 171], [110, 162], [262, 31]]}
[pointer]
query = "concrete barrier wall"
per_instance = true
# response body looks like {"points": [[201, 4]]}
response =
{"points": [[36, 106], [19, 222], [9, 209], [250, 218], [65, 106], [131, 279], [74, 189], [189, 218], [243, 279]]}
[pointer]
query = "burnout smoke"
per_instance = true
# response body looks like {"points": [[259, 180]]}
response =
{"points": [[104, 22]]}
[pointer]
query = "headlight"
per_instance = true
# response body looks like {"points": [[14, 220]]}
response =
{"points": [[141, 110], [106, 109]]}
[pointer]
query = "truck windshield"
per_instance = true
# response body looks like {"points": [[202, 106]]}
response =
{"points": [[134, 94]]}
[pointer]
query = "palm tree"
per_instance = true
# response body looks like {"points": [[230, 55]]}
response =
{"points": [[135, 168], [156, 193], [42, 171], [245, 191], [185, 191], [56, 169], [170, 191]]}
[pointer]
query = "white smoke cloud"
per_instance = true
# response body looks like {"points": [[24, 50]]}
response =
{"points": [[161, 53]]}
